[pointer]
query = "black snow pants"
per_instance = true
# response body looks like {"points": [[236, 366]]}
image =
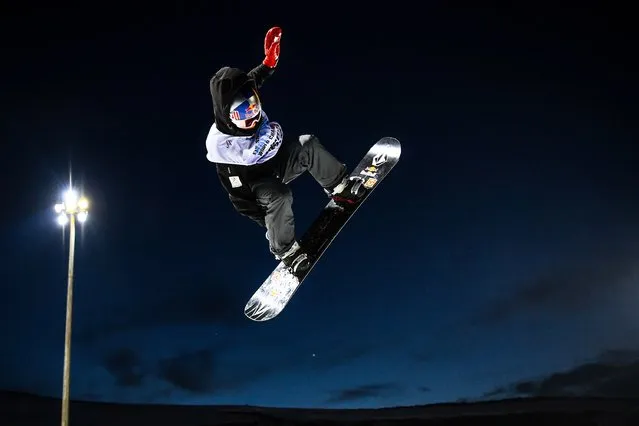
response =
{"points": [[274, 194]]}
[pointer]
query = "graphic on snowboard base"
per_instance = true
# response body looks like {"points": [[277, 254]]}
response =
{"points": [[270, 299]]}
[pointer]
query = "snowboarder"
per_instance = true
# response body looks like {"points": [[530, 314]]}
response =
{"points": [[255, 162]]}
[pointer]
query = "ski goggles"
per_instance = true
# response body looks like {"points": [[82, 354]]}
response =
{"points": [[246, 111]]}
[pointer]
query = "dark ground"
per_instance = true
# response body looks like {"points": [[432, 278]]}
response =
{"points": [[22, 409]]}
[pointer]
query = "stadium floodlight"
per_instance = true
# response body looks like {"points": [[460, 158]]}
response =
{"points": [[72, 207]]}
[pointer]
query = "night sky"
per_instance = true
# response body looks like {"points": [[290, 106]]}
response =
{"points": [[501, 250]]}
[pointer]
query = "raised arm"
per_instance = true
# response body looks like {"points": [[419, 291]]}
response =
{"points": [[260, 73], [271, 56]]}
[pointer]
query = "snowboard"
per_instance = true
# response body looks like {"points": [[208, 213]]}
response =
{"points": [[270, 299]]}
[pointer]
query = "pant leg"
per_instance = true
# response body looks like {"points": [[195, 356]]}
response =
{"points": [[309, 154], [294, 158], [277, 199]]}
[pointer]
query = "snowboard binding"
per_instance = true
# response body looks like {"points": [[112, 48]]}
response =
{"points": [[352, 192], [296, 259], [270, 299]]}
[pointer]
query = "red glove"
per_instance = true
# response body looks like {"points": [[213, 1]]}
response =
{"points": [[272, 47]]}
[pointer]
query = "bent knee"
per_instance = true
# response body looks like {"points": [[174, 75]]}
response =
{"points": [[281, 193], [308, 140]]}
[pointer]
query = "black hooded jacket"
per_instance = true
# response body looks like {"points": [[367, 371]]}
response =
{"points": [[224, 85]]}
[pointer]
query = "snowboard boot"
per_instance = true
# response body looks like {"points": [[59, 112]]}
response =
{"points": [[295, 258], [348, 190]]}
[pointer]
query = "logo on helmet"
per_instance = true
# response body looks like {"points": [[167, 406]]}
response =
{"points": [[246, 110]]}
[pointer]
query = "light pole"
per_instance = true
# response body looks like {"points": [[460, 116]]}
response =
{"points": [[72, 207]]}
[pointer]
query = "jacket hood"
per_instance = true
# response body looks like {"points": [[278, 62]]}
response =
{"points": [[224, 85]]}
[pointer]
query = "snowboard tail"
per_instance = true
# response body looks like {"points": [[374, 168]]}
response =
{"points": [[270, 299]]}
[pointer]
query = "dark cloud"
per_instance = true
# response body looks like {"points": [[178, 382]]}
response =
{"points": [[124, 365], [318, 356], [237, 374], [613, 374], [189, 298], [581, 283], [376, 390], [618, 356], [192, 371], [204, 372], [602, 271]]}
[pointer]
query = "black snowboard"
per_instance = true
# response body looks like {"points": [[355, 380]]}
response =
{"points": [[273, 295]]}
